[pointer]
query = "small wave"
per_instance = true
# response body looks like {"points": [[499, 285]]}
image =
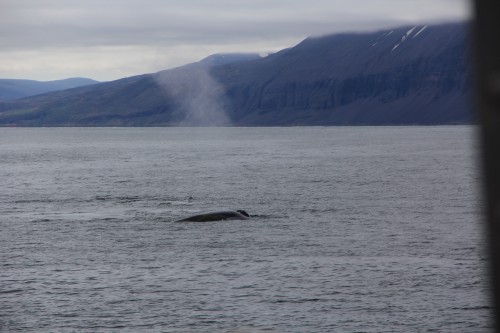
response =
{"points": [[122, 199], [41, 220], [472, 308], [11, 291], [44, 200], [263, 216], [315, 210], [67, 315], [298, 301]]}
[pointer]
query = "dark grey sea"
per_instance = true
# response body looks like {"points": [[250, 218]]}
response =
{"points": [[355, 229]]}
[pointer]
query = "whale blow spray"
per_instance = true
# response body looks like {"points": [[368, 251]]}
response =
{"points": [[198, 97]]}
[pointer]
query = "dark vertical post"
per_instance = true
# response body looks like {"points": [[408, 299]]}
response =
{"points": [[487, 75]]}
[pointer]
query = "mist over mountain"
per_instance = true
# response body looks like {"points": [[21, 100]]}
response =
{"points": [[13, 88], [228, 58], [404, 76]]}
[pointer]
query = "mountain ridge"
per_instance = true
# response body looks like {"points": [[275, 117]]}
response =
{"points": [[11, 89], [402, 76]]}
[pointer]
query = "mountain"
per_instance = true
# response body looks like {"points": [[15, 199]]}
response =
{"points": [[410, 75], [13, 89], [401, 76]]}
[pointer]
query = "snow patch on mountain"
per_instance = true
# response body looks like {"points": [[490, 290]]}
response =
{"points": [[418, 32], [405, 36]]}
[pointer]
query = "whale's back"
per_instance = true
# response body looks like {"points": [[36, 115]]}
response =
{"points": [[216, 216]]}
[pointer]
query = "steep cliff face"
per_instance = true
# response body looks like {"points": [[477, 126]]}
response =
{"points": [[410, 75]]}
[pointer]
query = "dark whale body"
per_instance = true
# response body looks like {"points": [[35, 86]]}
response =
{"points": [[218, 216]]}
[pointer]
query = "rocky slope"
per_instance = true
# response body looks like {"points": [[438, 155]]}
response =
{"points": [[404, 76], [411, 75]]}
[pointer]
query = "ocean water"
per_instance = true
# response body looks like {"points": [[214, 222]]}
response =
{"points": [[355, 229]]}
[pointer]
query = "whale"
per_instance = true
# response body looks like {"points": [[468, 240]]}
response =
{"points": [[218, 216]]}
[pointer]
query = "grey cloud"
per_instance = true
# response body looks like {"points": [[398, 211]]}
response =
{"points": [[64, 23], [63, 32]]}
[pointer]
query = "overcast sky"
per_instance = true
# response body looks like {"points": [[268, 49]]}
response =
{"points": [[111, 39]]}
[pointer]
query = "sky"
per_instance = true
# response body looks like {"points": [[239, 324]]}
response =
{"points": [[111, 39]]}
